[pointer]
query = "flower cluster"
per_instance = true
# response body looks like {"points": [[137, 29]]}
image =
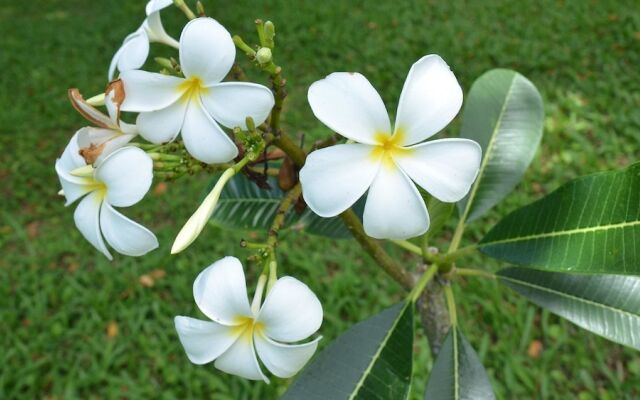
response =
{"points": [[103, 166]]}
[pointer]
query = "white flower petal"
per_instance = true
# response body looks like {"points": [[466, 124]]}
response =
{"points": [[95, 136], [149, 91], [162, 126], [241, 359], [284, 360], [124, 235], [73, 187], [336, 177], [132, 54], [394, 208], [71, 158], [348, 104], [104, 141], [87, 217], [220, 292], [230, 103], [430, 99], [291, 311], [157, 5], [203, 138], [445, 168], [127, 174], [112, 145], [206, 50], [153, 23], [204, 341]]}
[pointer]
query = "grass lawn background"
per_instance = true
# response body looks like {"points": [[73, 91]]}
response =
{"points": [[74, 325]]}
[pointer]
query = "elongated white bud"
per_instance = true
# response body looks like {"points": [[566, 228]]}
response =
{"points": [[191, 230]]}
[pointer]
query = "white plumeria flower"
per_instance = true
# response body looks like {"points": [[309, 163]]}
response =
{"points": [[169, 105], [109, 133], [121, 179], [290, 313], [135, 47], [387, 162]]}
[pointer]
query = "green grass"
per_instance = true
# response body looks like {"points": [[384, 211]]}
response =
{"points": [[58, 296]]}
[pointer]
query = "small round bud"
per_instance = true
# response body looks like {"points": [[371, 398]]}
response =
{"points": [[264, 55]]}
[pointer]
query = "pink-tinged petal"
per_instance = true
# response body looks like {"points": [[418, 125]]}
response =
{"points": [[89, 112], [87, 219], [430, 99], [127, 174], [348, 104], [291, 311], [148, 91], [204, 341], [220, 292], [334, 178], [284, 360], [230, 103], [206, 50], [203, 138], [124, 235], [445, 168], [394, 208]]}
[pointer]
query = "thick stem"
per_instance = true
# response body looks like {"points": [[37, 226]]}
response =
{"points": [[434, 313], [374, 249]]}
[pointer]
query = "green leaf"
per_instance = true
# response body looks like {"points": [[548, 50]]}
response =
{"points": [[504, 114], [591, 224], [439, 213], [607, 305], [458, 373], [243, 205], [372, 360]]}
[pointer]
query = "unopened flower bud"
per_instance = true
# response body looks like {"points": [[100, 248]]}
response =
{"points": [[264, 55], [191, 230]]}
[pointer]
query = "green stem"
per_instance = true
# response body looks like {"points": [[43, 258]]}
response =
{"points": [[405, 244], [185, 8], [451, 305], [457, 235], [422, 282], [474, 272], [453, 256], [291, 197], [376, 251]]}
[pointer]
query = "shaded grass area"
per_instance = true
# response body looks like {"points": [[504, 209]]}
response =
{"points": [[76, 326]]}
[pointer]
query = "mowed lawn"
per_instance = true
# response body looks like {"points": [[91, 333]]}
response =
{"points": [[73, 325]]}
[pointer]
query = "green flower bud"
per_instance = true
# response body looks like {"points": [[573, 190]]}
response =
{"points": [[264, 55]]}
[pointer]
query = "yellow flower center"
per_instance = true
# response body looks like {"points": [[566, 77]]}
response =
{"points": [[193, 86], [389, 146], [245, 327]]}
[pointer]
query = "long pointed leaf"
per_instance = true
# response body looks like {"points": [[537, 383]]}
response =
{"points": [[608, 305], [372, 360], [504, 114], [458, 373], [243, 205], [591, 224]]}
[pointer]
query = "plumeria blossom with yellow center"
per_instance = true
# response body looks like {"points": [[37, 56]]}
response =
{"points": [[387, 162], [237, 331], [121, 179], [135, 48], [195, 104], [109, 132]]}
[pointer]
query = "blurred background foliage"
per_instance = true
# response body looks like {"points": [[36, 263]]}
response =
{"points": [[76, 326]]}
